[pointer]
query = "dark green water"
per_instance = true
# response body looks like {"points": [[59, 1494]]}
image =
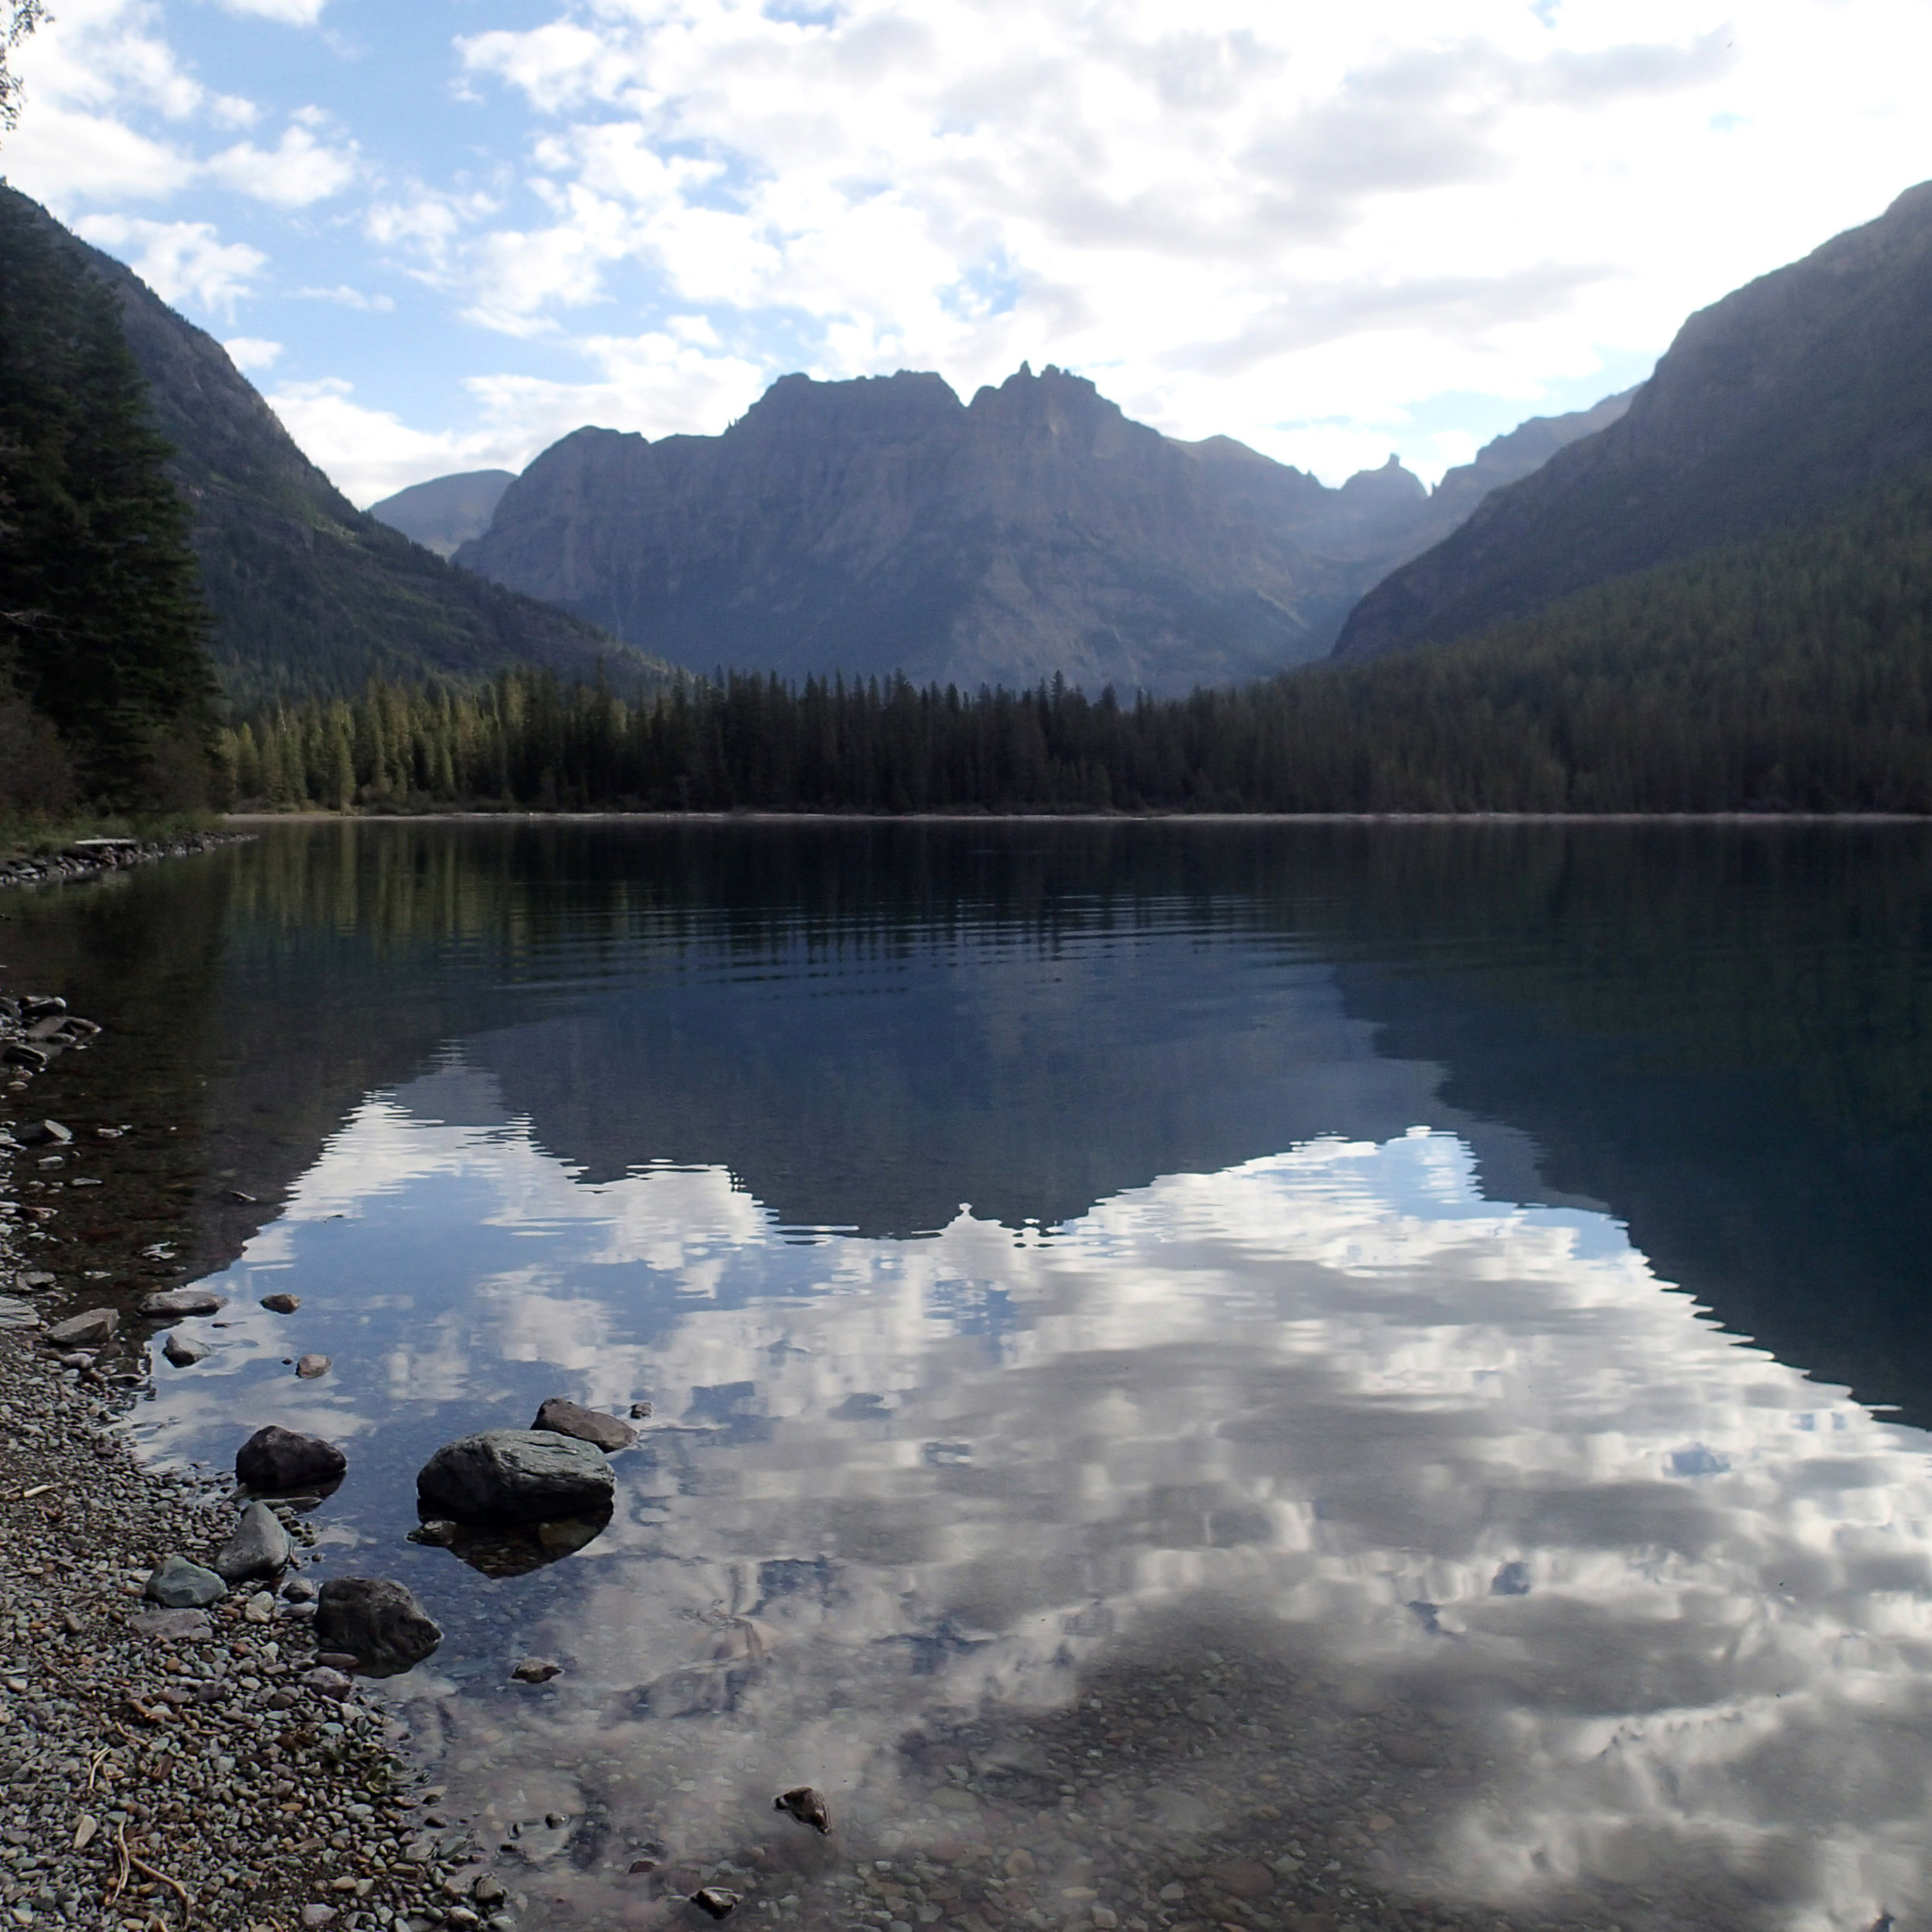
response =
{"points": [[1394, 1354]]}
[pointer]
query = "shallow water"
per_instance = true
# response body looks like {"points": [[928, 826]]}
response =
{"points": [[1369, 1375]]}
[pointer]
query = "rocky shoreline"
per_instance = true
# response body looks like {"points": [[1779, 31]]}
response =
{"points": [[164, 1766], [89, 858]]}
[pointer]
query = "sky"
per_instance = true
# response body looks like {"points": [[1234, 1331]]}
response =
{"points": [[439, 234]]}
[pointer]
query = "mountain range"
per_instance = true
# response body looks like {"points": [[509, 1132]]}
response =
{"points": [[881, 525], [1771, 407]]}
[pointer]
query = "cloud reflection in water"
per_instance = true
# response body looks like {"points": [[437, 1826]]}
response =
{"points": [[1663, 1603]]}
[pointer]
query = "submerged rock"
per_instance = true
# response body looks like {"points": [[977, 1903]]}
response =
{"points": [[715, 1902], [376, 1620], [572, 1419], [515, 1475], [259, 1547], [513, 1550], [536, 1670], [281, 1304], [183, 1353], [43, 1133], [806, 1805], [311, 1366], [178, 1584], [275, 1459]]}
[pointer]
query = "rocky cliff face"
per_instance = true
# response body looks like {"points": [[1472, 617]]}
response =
{"points": [[880, 524], [1772, 405]]}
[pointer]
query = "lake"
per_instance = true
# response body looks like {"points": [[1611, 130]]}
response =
{"points": [[1206, 1375]]}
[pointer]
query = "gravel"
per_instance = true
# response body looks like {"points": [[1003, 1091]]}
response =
{"points": [[161, 1766]]}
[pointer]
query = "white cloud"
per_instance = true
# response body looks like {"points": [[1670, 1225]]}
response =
{"points": [[670, 379], [298, 170], [295, 13], [181, 261], [251, 354], [1238, 218], [350, 298]]}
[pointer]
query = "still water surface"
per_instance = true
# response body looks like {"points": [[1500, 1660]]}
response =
{"points": [[1201, 1376]]}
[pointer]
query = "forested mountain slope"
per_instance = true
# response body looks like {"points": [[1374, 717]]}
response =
{"points": [[1772, 406], [309, 595]]}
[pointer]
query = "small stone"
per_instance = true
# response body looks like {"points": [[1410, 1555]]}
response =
{"points": [[281, 1304], [377, 1620], [536, 1670], [1172, 1892], [171, 1304], [310, 1367], [43, 1133], [639, 1410], [261, 1607], [715, 1902], [806, 1805], [274, 1460], [314, 1915], [96, 1325], [337, 1659], [176, 1583], [1244, 1879], [461, 1916], [299, 1589], [175, 1625], [259, 1547], [572, 1419], [487, 1890], [84, 1828], [183, 1353]]}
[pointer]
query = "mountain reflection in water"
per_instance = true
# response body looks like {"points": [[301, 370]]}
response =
{"points": [[1114, 1431]]}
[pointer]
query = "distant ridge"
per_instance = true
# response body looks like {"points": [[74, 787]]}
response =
{"points": [[1772, 406], [446, 512], [881, 525], [310, 595]]}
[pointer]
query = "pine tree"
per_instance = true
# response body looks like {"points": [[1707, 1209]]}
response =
{"points": [[105, 631]]}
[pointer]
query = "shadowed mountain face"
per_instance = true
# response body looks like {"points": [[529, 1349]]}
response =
{"points": [[1771, 407], [881, 525], [309, 595], [447, 511]]}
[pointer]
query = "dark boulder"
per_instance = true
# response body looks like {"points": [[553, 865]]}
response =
{"points": [[377, 1621], [515, 1475], [275, 1459]]}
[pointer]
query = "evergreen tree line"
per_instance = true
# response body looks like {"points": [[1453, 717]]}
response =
{"points": [[107, 694], [1789, 674]]}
